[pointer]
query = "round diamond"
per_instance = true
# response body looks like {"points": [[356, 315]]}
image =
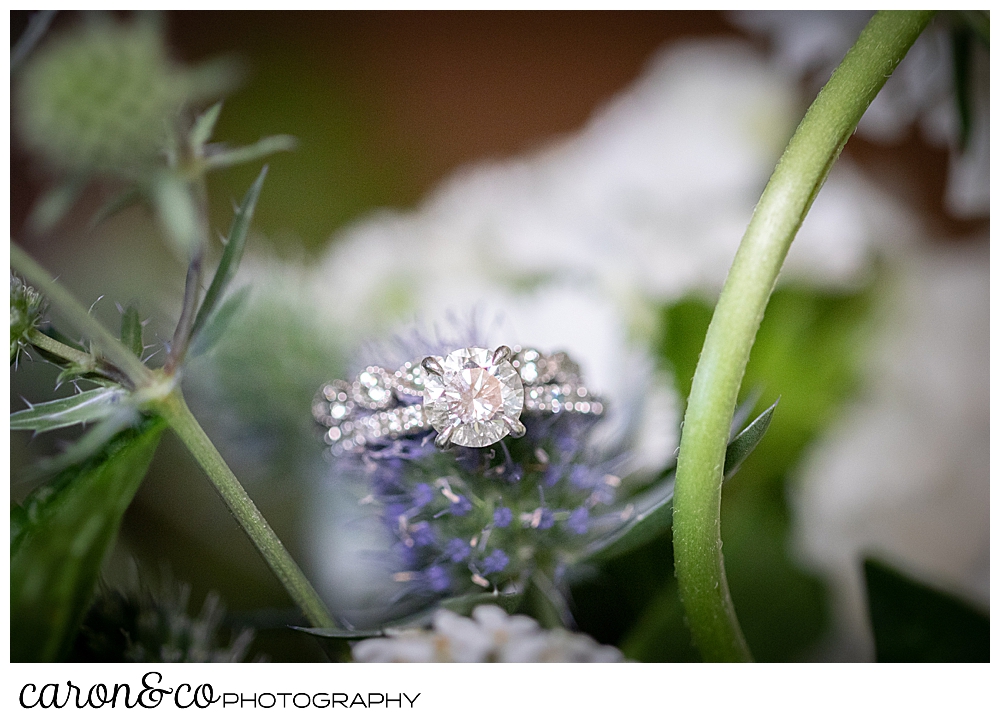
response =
{"points": [[473, 401]]}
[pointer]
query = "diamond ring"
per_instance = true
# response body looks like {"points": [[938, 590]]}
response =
{"points": [[472, 397]]}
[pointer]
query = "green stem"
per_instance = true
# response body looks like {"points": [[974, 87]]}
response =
{"points": [[174, 409], [137, 372], [63, 351], [800, 173]]}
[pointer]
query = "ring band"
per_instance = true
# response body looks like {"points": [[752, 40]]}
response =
{"points": [[471, 397]]}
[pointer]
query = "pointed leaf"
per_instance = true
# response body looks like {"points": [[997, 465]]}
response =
{"points": [[914, 623], [177, 213], [89, 445], [652, 516], [117, 203], [256, 151], [215, 327], [71, 524], [54, 204], [232, 254], [653, 511], [80, 408], [746, 441], [203, 127], [132, 330], [340, 633]]}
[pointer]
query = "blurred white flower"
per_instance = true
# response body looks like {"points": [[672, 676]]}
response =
{"points": [[489, 636], [904, 474], [920, 92]]}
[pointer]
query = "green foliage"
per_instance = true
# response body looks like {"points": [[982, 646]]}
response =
{"points": [[232, 254], [89, 406], [914, 623], [26, 309], [60, 537], [131, 335], [654, 513], [806, 353]]}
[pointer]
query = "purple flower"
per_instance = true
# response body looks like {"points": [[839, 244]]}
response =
{"points": [[546, 519], [457, 549], [422, 534], [502, 516], [437, 578], [578, 520], [392, 514], [495, 562], [422, 495], [580, 476], [461, 506]]}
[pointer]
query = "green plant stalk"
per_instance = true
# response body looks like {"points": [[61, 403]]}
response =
{"points": [[46, 343], [162, 396], [137, 373], [796, 181], [174, 409]]}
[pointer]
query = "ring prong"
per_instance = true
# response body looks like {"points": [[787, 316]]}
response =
{"points": [[443, 438], [502, 354], [432, 366], [514, 426]]}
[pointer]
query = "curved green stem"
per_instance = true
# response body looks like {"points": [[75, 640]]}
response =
{"points": [[799, 175], [137, 372], [174, 409]]}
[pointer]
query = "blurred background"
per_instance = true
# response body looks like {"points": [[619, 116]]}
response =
{"points": [[423, 133]]}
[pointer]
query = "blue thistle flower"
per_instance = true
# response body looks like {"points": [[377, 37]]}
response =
{"points": [[476, 519]]}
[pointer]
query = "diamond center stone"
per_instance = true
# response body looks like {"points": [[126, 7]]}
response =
{"points": [[474, 401]]}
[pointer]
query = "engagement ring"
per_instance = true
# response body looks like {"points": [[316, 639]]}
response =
{"points": [[472, 397]]}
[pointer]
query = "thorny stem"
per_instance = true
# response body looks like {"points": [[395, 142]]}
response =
{"points": [[137, 373], [159, 393], [63, 351], [800, 173], [82, 360]]}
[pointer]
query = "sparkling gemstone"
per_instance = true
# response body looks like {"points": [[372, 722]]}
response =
{"points": [[373, 389], [472, 397]]}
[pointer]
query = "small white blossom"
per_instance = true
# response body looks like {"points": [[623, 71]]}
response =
{"points": [[489, 636]]}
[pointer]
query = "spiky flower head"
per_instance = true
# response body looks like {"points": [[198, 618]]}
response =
{"points": [[142, 624], [26, 309], [489, 636], [101, 97]]}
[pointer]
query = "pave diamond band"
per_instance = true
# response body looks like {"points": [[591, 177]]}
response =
{"points": [[472, 397]]}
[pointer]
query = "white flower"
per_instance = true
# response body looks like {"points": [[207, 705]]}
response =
{"points": [[489, 636], [904, 474]]}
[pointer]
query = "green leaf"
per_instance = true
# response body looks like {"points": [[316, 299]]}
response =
{"points": [[746, 441], [117, 203], [70, 525], [340, 633], [88, 406], [203, 127], [247, 154], [232, 254], [653, 510], [131, 335], [177, 212], [914, 623], [87, 446], [54, 204], [215, 327], [961, 57]]}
